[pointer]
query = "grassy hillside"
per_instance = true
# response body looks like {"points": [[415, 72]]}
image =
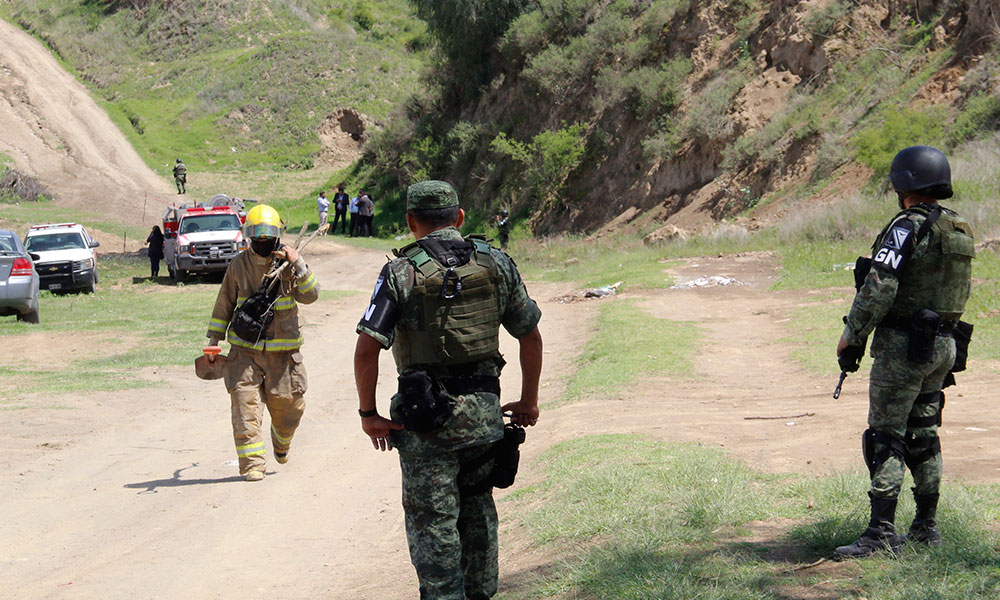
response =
{"points": [[228, 84], [592, 107]]}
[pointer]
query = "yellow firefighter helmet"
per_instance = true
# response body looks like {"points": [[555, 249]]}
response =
{"points": [[262, 222]]}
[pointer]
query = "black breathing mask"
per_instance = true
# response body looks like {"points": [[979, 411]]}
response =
{"points": [[265, 246]]}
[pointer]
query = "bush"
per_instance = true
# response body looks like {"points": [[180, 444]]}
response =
{"points": [[876, 146], [663, 142], [547, 160], [821, 22], [467, 29], [18, 187], [553, 70], [656, 90], [981, 116], [707, 117]]}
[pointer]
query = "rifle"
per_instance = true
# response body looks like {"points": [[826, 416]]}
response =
{"points": [[840, 384]]}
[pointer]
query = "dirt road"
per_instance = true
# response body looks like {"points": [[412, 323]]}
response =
{"points": [[54, 131], [136, 494]]}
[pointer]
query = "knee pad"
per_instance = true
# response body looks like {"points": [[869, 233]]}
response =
{"points": [[874, 457], [921, 449], [930, 420]]}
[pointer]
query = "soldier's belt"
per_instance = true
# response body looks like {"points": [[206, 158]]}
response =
{"points": [[945, 328], [470, 384]]}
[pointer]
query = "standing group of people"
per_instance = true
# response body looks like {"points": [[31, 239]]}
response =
{"points": [[360, 208]]}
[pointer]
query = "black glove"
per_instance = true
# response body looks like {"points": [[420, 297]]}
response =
{"points": [[850, 358]]}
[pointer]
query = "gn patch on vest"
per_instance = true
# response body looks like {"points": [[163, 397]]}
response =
{"points": [[896, 247]]}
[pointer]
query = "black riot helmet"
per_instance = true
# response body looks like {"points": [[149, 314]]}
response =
{"points": [[921, 169]]}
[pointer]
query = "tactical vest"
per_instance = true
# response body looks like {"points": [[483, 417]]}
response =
{"points": [[940, 279], [459, 310]]}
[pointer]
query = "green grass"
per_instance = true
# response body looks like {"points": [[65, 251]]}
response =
{"points": [[815, 329], [624, 517], [25, 214], [812, 265], [629, 344], [133, 324]]}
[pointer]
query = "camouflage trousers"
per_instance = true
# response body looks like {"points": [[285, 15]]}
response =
{"points": [[893, 389], [451, 522], [181, 182]]}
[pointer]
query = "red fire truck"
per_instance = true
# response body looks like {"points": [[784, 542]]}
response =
{"points": [[201, 238]]}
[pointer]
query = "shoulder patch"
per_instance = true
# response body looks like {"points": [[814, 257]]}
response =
{"points": [[896, 248]]}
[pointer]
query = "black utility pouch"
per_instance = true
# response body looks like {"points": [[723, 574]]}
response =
{"points": [[253, 317], [861, 269], [507, 456], [963, 335], [923, 331], [424, 407]]}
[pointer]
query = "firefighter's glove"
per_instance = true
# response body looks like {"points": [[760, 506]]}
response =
{"points": [[850, 358], [213, 341], [301, 268]]}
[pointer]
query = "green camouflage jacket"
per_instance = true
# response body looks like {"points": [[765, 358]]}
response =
{"points": [[476, 418], [934, 274]]}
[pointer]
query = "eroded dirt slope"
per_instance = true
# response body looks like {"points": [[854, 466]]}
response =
{"points": [[53, 130]]}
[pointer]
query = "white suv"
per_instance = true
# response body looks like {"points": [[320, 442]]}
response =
{"points": [[66, 256]]}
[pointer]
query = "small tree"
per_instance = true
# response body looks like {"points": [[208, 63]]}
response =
{"points": [[467, 29], [548, 160]]}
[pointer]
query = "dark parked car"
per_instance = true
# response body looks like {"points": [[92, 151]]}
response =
{"points": [[18, 279]]}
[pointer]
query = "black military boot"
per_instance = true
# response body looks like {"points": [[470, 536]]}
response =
{"points": [[880, 535], [924, 526]]}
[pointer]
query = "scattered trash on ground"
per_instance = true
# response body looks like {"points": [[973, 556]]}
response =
{"points": [[707, 282], [975, 429], [601, 292], [842, 267]]}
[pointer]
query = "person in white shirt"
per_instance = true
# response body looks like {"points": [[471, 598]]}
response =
{"points": [[323, 206], [355, 219]]}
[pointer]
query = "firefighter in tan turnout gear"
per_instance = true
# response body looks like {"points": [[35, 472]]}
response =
{"points": [[259, 317]]}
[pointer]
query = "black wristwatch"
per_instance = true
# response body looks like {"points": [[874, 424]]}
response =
{"points": [[368, 413]]}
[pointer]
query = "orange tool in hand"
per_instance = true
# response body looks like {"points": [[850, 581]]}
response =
{"points": [[210, 364]]}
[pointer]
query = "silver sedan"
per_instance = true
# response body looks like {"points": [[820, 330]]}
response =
{"points": [[18, 279]]}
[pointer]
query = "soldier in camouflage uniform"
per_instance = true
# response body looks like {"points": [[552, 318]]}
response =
{"points": [[439, 306], [912, 298], [180, 176], [503, 229]]}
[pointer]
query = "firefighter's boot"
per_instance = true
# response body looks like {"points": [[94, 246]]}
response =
{"points": [[254, 475], [880, 535], [924, 527]]}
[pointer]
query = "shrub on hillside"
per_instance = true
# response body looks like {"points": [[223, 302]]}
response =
{"points": [[876, 146], [981, 116], [822, 21], [708, 117], [547, 160], [468, 29], [18, 187]]}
